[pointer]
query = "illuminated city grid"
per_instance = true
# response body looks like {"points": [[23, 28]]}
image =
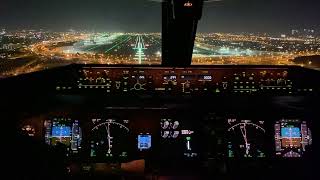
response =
{"points": [[29, 50]]}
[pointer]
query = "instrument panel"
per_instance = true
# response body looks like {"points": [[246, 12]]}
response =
{"points": [[120, 134], [99, 114], [252, 139], [124, 134]]}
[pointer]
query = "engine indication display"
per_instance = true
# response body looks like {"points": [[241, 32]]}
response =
{"points": [[291, 138], [169, 129], [246, 139], [109, 139]]}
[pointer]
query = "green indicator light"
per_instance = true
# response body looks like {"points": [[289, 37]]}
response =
{"points": [[188, 138]]}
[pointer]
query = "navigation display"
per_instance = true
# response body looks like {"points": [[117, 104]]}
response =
{"points": [[110, 139], [246, 139]]}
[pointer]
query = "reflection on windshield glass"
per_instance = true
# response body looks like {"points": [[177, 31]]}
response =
{"points": [[129, 32]]}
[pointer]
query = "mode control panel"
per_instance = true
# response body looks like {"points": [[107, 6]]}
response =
{"points": [[188, 81]]}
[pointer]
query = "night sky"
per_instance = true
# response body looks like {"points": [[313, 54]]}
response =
{"points": [[145, 16]]}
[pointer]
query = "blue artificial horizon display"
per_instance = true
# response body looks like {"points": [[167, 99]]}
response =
{"points": [[61, 131], [292, 132]]}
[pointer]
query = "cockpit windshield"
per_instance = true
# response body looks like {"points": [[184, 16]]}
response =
{"points": [[37, 35]]}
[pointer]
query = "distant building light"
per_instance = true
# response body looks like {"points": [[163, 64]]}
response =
{"points": [[188, 4]]}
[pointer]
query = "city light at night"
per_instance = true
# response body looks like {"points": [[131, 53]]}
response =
{"points": [[30, 50]]}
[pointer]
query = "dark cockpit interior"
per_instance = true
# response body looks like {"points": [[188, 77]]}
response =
{"points": [[169, 121]]}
